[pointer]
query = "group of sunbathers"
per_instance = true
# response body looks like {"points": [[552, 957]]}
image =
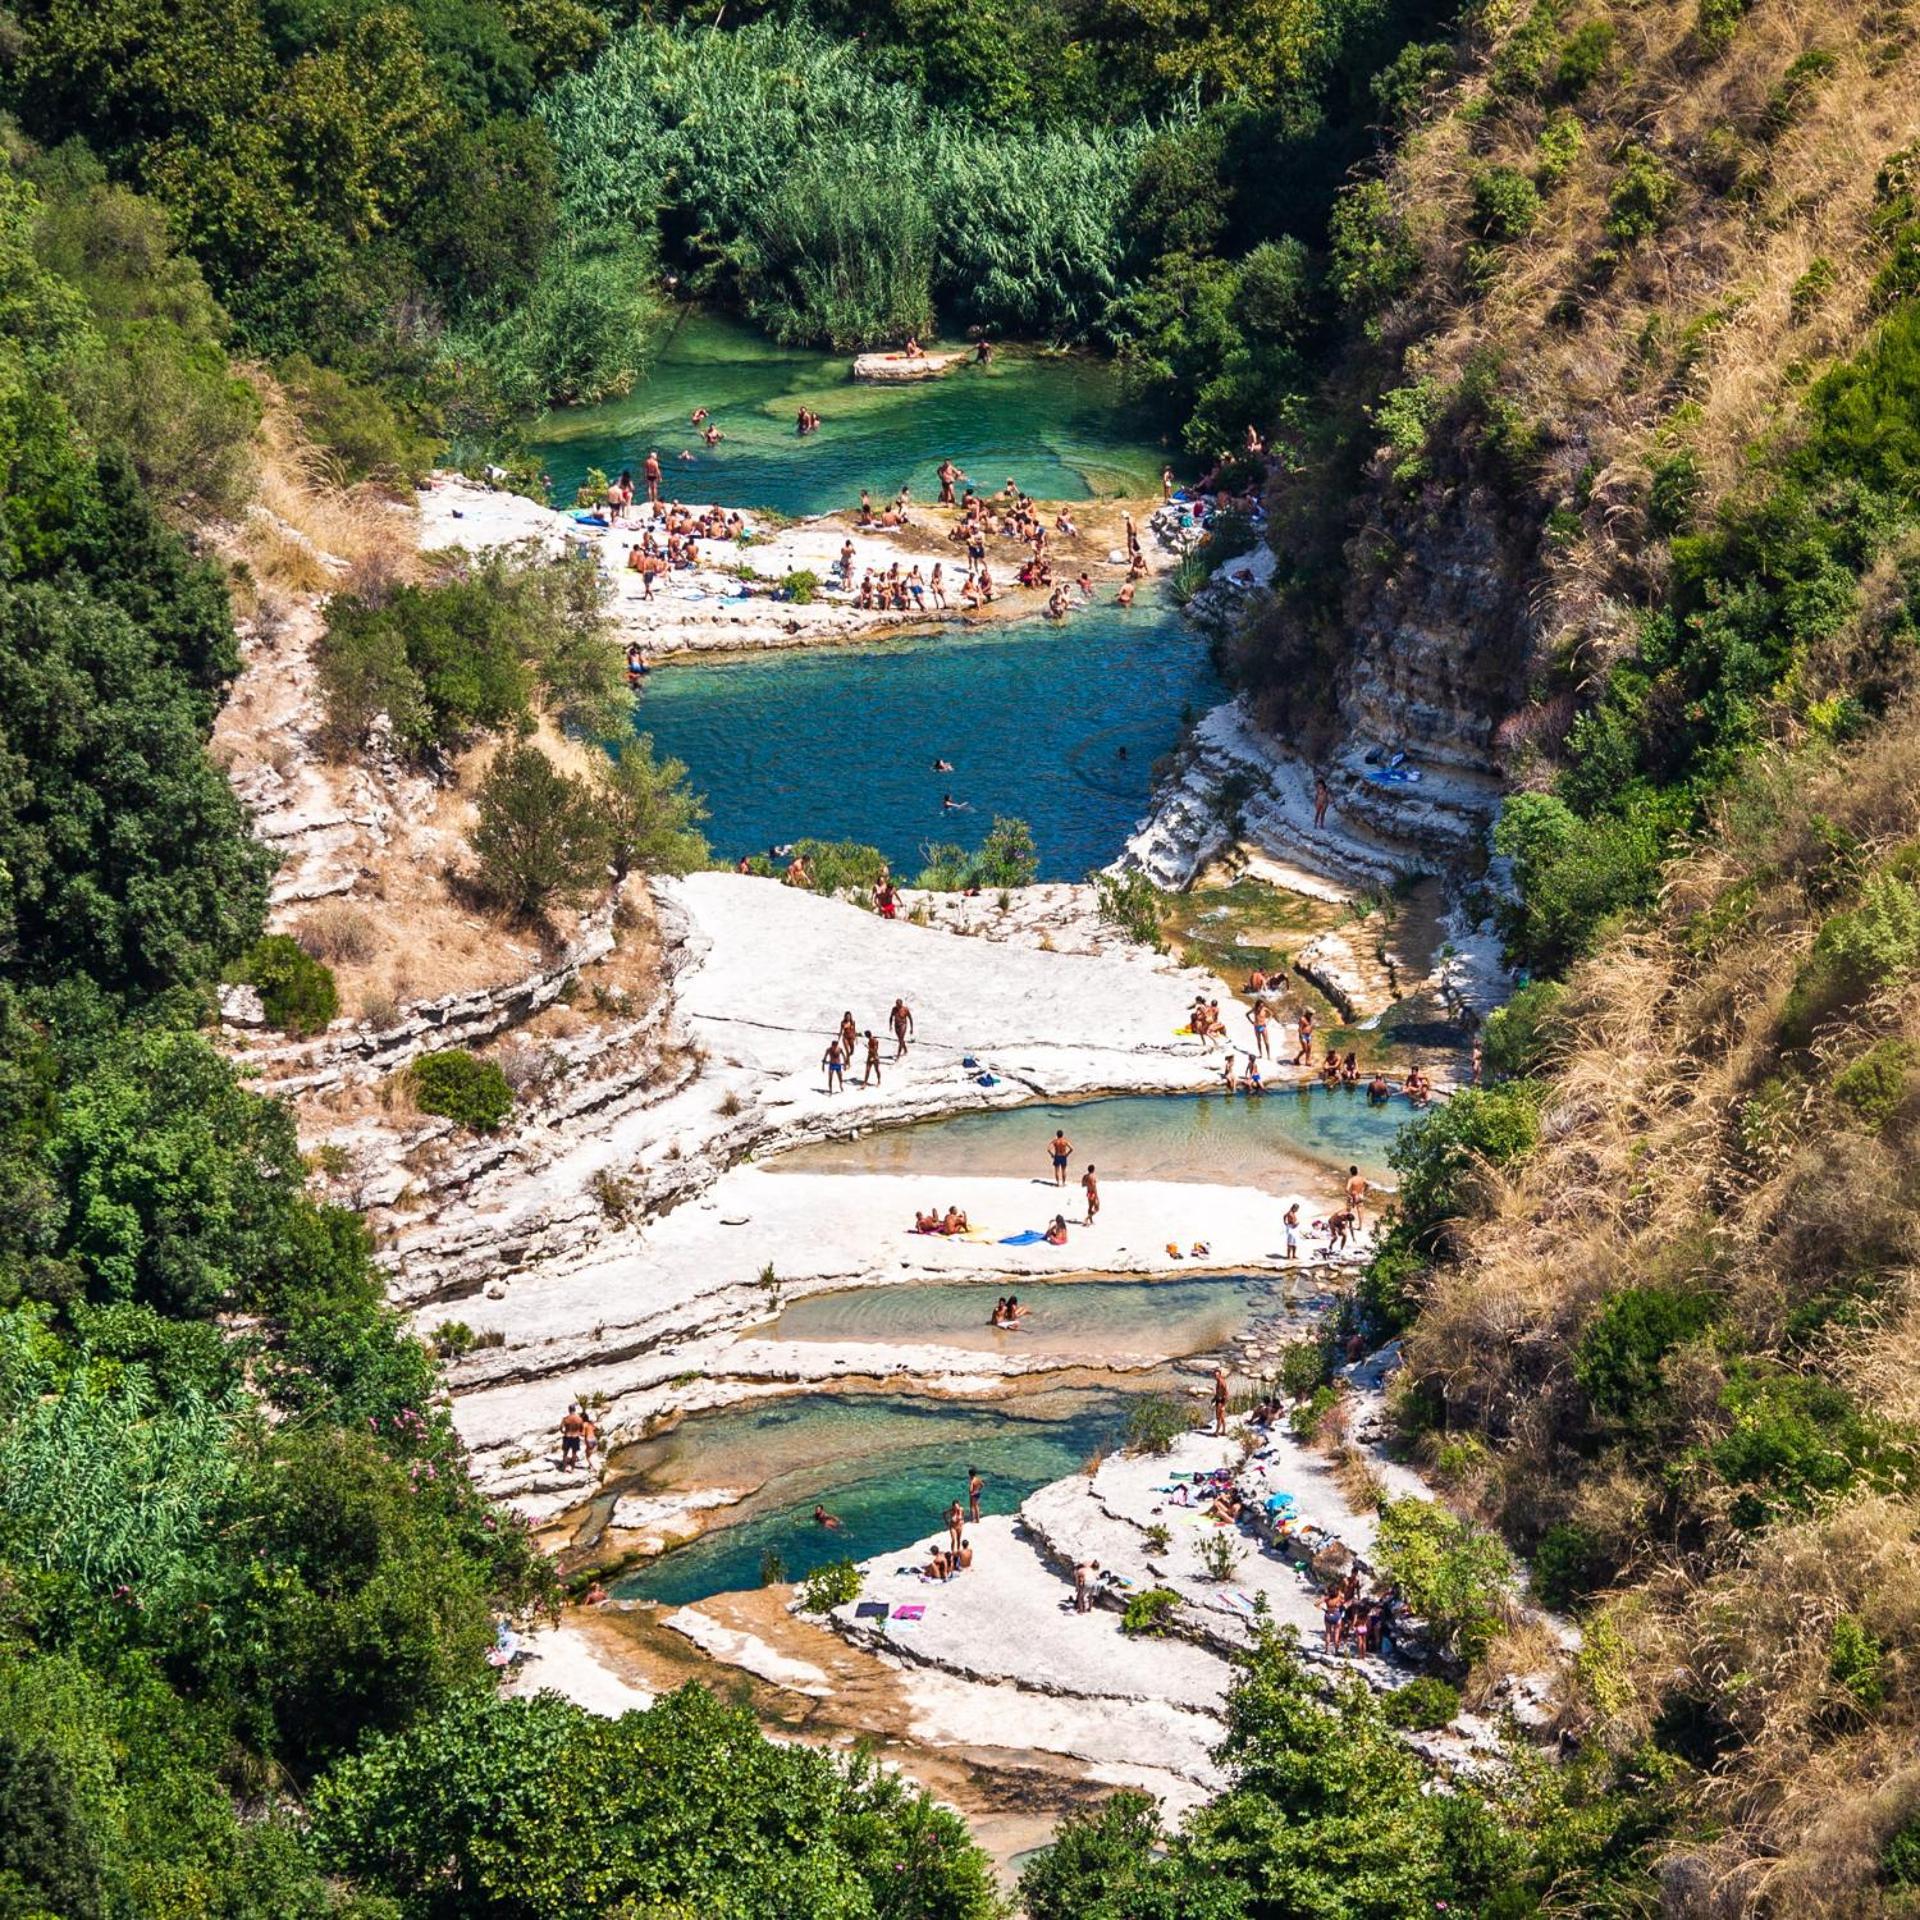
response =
{"points": [[952, 1221]]}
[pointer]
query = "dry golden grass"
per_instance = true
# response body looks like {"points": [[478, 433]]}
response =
{"points": [[1684, 1147], [304, 533], [1695, 343]]}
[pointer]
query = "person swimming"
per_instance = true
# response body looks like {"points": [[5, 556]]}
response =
{"points": [[943, 766], [948, 804]]}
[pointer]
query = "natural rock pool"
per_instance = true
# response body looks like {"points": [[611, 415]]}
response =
{"points": [[1094, 1318], [1059, 726], [885, 1464], [1261, 1142], [1053, 421]]}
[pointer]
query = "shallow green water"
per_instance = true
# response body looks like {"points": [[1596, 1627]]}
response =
{"points": [[885, 1465], [1262, 1142], [1053, 422], [1058, 726], [1097, 1318]]}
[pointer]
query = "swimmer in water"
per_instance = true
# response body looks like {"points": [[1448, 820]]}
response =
{"points": [[948, 804], [943, 766]]}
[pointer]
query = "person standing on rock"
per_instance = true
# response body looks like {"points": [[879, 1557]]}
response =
{"points": [[1083, 1577], [1305, 1055], [849, 1035], [949, 473], [1220, 1398], [835, 1063], [1356, 1192], [975, 1485], [1060, 1149], [571, 1428], [1291, 1222], [1322, 800], [956, 1524], [871, 1076], [901, 1020], [651, 469], [1257, 1013], [1091, 1188], [589, 1437]]}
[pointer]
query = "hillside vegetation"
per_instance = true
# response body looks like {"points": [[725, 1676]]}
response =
{"points": [[1636, 351]]}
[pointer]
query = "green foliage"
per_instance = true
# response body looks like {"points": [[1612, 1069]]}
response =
{"points": [[472, 653], [1219, 1557], [1453, 1574], [1401, 87], [1585, 57], [508, 1809], [1424, 1703], [1809, 292], [1006, 858], [1131, 903], [365, 435], [836, 205], [540, 839], [152, 372], [1575, 873], [1305, 1365], [1567, 1565], [1788, 103], [1303, 1421], [1617, 1360], [469, 1091], [1792, 1440], [1561, 143], [1403, 417], [1642, 199], [1155, 1421], [1523, 63], [1150, 1611], [801, 586], [1717, 22], [1374, 258], [652, 817], [1857, 1662], [837, 1584], [842, 866], [296, 991], [1853, 953], [1506, 204], [1900, 1857], [1520, 1037], [1439, 1155], [1874, 1087]]}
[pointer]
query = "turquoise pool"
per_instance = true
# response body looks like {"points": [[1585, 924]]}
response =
{"points": [[885, 1465], [1262, 1142], [1059, 726], [1096, 1319], [1054, 422]]}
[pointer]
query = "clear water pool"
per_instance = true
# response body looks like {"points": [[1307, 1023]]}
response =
{"points": [[1095, 1318], [1058, 726], [1264, 1142], [885, 1464], [1054, 422]]}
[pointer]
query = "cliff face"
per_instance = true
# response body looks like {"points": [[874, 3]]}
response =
{"points": [[1440, 633], [1590, 278]]}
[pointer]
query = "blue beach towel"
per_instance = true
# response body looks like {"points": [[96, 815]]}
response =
{"points": [[870, 1610], [1031, 1237]]}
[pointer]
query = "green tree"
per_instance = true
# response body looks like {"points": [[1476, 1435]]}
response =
{"points": [[540, 840], [652, 816]]}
